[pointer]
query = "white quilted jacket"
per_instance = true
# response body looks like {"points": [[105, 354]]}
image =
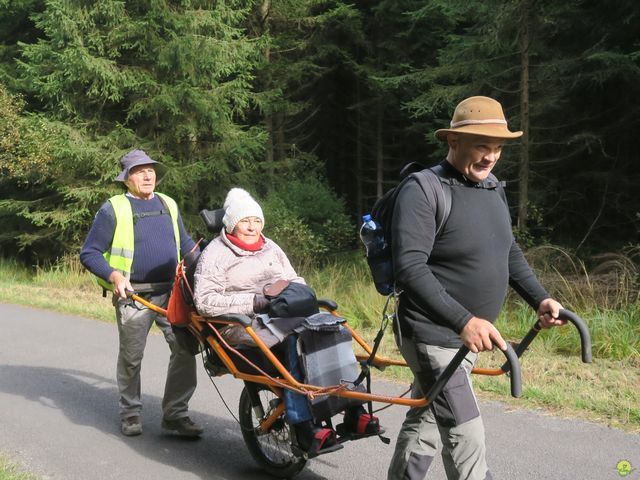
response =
{"points": [[227, 278]]}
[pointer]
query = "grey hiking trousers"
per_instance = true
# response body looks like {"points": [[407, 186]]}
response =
{"points": [[452, 420], [134, 323]]}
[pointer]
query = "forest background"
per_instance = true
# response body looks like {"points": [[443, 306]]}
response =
{"points": [[314, 106]]}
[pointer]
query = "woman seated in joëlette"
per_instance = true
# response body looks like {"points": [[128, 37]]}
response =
{"points": [[231, 275]]}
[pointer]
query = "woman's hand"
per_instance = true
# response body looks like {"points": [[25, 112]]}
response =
{"points": [[260, 304]]}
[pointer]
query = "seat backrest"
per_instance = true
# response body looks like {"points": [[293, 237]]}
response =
{"points": [[212, 219]]}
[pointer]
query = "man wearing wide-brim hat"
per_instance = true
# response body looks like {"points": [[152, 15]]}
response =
{"points": [[135, 243], [453, 285]]}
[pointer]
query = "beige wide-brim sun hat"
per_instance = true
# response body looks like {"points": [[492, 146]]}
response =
{"points": [[478, 116]]}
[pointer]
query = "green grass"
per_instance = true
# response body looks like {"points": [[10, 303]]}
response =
{"points": [[347, 282], [615, 331], [9, 471], [553, 376], [65, 288]]}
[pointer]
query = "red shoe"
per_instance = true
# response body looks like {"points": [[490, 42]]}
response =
{"points": [[358, 423], [316, 441]]}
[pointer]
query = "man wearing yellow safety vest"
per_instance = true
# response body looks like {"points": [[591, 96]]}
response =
{"points": [[135, 243]]}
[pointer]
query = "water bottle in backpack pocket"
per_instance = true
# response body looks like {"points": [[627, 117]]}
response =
{"points": [[378, 255]]}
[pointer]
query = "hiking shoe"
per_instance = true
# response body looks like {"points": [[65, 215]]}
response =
{"points": [[358, 423], [131, 426], [313, 440], [183, 426]]}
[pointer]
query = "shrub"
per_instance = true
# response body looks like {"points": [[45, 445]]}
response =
{"points": [[307, 219]]}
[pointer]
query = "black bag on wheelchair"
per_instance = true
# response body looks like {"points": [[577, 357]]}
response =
{"points": [[327, 359], [295, 300]]}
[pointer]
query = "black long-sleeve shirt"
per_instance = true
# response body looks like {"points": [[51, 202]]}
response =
{"points": [[465, 271]]}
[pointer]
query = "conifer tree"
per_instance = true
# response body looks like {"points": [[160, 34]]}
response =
{"points": [[173, 78], [337, 64], [575, 58]]}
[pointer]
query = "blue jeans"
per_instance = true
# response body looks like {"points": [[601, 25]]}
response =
{"points": [[297, 405]]}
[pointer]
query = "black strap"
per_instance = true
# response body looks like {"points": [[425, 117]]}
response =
{"points": [[365, 372], [365, 366], [154, 213], [430, 181], [491, 183]]}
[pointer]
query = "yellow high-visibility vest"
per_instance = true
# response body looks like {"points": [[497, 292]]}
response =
{"points": [[120, 257]]}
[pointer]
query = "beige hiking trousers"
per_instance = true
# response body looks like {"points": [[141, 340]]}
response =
{"points": [[452, 421]]}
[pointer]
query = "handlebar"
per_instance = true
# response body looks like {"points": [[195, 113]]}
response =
{"points": [[328, 304], [135, 296], [513, 367], [583, 330]]}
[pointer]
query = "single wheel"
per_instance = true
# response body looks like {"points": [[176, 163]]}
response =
{"points": [[270, 449]]}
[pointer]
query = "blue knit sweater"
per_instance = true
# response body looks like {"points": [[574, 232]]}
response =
{"points": [[154, 258]]}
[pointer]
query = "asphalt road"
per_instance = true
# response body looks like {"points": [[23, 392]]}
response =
{"points": [[59, 420]]}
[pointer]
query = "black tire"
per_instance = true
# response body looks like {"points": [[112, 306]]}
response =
{"points": [[270, 450]]}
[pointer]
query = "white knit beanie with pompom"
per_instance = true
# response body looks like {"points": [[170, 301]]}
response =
{"points": [[239, 204]]}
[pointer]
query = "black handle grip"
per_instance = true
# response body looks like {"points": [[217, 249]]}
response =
{"points": [[513, 367], [526, 341], [328, 304], [583, 330]]}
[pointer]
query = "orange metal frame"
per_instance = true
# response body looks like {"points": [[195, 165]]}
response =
{"points": [[197, 327]]}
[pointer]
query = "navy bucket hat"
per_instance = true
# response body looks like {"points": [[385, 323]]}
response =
{"points": [[130, 160]]}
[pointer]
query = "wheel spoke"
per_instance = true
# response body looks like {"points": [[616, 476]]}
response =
{"points": [[270, 448], [276, 442]]}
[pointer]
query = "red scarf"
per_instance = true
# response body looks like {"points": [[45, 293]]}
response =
{"points": [[251, 247]]}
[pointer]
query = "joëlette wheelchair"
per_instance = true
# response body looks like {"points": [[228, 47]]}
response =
{"points": [[268, 436]]}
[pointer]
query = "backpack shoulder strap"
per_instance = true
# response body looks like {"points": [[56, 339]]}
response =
{"points": [[430, 181], [492, 182]]}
